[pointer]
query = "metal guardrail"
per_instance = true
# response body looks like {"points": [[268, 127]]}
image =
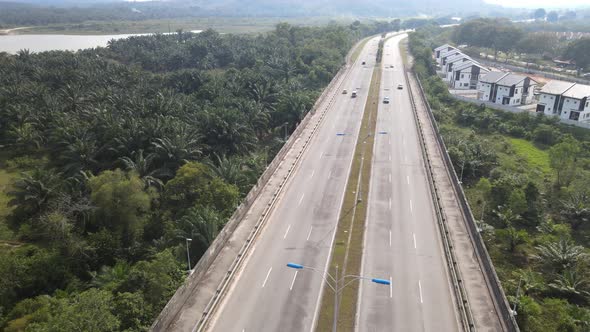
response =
{"points": [[492, 280], [458, 288]]}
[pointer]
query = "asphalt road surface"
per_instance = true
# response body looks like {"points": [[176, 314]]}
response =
{"points": [[402, 241], [268, 296]]}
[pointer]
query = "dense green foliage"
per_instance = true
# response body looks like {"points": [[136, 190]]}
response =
{"points": [[130, 149], [527, 179]]}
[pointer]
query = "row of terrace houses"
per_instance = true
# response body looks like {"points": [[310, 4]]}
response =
{"points": [[570, 101], [565, 99], [458, 69], [506, 88]]}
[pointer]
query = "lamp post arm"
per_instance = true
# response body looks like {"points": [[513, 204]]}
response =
{"points": [[353, 278]]}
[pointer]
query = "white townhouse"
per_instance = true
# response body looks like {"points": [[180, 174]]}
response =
{"points": [[506, 88], [576, 103], [446, 55], [466, 75], [551, 97], [452, 62], [441, 50], [571, 101]]}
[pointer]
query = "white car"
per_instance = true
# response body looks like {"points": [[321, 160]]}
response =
{"points": [[386, 100], [344, 91], [399, 86]]}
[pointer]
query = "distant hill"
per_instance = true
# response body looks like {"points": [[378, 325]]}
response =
{"points": [[373, 8]]}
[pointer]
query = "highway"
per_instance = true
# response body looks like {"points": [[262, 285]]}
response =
{"points": [[266, 295], [402, 241]]}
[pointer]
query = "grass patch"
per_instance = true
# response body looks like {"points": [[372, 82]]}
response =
{"points": [[348, 244], [533, 155]]}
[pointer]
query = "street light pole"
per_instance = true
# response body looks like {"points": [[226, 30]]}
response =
{"points": [[188, 256], [335, 322], [337, 285]]}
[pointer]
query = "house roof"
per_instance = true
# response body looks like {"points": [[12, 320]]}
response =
{"points": [[470, 64], [457, 57], [578, 91], [512, 79], [442, 47], [450, 53], [556, 87], [493, 77]]}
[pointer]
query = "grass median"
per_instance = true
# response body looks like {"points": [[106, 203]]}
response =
{"points": [[348, 244]]}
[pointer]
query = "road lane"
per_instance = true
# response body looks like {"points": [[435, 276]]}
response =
{"points": [[420, 298], [310, 205]]}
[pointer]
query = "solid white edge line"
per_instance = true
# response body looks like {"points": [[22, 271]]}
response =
{"points": [[414, 235], [420, 288], [267, 275], [309, 234], [287, 232], [293, 282]]}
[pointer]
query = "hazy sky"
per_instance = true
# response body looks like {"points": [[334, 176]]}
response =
{"points": [[540, 3]]}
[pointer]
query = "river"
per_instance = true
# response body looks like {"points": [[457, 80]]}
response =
{"points": [[41, 43]]}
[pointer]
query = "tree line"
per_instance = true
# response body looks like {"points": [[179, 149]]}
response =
{"points": [[126, 151], [505, 36], [527, 179]]}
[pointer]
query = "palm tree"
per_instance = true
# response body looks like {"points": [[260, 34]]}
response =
{"points": [[33, 191], [560, 255], [231, 169], [571, 284], [143, 166], [200, 224], [258, 117], [175, 150], [110, 277], [506, 216], [576, 210], [80, 155]]}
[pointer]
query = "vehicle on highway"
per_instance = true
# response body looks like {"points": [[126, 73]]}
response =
{"points": [[353, 94], [399, 86], [344, 91], [386, 100], [391, 66], [364, 62]]}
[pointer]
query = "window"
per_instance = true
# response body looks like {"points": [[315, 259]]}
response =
{"points": [[462, 76], [567, 100], [551, 97], [587, 103], [516, 91]]}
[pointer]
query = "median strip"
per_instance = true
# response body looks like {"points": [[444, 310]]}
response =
{"points": [[348, 242]]}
